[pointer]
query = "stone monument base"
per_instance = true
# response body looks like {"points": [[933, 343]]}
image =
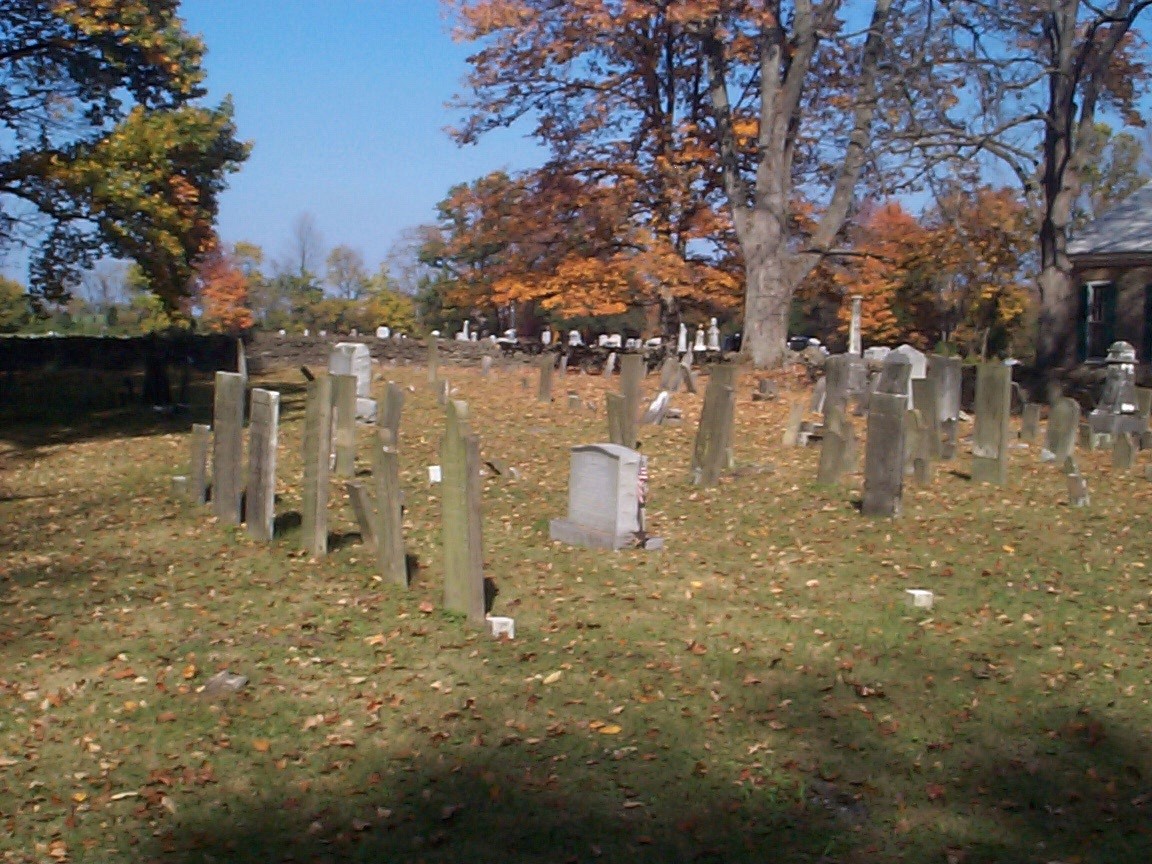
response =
{"points": [[567, 531]]}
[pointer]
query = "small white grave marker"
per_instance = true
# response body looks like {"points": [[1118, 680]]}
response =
{"points": [[502, 626], [433, 473], [919, 598]]}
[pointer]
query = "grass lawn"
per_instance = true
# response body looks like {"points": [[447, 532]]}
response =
{"points": [[758, 691]]}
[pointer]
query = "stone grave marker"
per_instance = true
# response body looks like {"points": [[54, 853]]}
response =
{"points": [[544, 388], [228, 447], [263, 434], [927, 403], [353, 358], [947, 373], [485, 365], [573, 401], [1123, 451], [1063, 425], [433, 359], [923, 458], [1144, 410], [461, 516], [317, 459], [837, 371], [658, 410], [603, 498], [819, 392], [854, 321], [765, 390], [631, 376], [712, 451], [390, 416], [361, 500], [792, 426], [1077, 490], [1030, 421], [895, 374], [387, 512], [610, 364], [614, 404], [198, 467], [344, 418], [1118, 409], [993, 410], [833, 449], [670, 374], [884, 453]]}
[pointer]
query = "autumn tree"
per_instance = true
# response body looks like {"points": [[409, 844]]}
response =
{"points": [[15, 311], [709, 102], [104, 148], [1042, 76], [223, 293], [346, 274]]}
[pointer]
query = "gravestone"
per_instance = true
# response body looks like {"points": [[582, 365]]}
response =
{"points": [[1030, 421], [1063, 425], [317, 459], [198, 467], [895, 374], [923, 457], [947, 373], [792, 425], [610, 364], [833, 449], [854, 342], [712, 451], [919, 361], [228, 447], [657, 410], [927, 403], [461, 516], [681, 339], [485, 365], [631, 376], [361, 501], [884, 454], [670, 374], [1123, 451], [1077, 490], [433, 359], [353, 358], [603, 498], [836, 371], [686, 373], [614, 404], [544, 388], [390, 416], [819, 392], [1117, 410], [990, 435], [263, 428], [344, 415], [387, 513], [1144, 409]]}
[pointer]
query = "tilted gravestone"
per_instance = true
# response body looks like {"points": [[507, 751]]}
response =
{"points": [[544, 389], [631, 376], [198, 469], [712, 451], [344, 416], [317, 459], [610, 364], [658, 410], [387, 510], [352, 358], [228, 447], [1063, 426], [603, 498], [1123, 450], [993, 410], [390, 415], [791, 436], [263, 434], [461, 516], [837, 446], [884, 454]]}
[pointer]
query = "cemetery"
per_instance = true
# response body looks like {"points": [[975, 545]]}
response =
{"points": [[672, 615]]}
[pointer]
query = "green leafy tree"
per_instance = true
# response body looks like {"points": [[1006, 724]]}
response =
{"points": [[105, 149], [15, 312]]}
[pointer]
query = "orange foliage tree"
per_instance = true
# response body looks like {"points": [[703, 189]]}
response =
{"points": [[223, 292]]}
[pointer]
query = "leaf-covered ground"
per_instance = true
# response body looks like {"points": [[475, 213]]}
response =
{"points": [[758, 691]]}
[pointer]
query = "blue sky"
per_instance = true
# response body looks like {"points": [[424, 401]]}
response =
{"points": [[344, 101]]}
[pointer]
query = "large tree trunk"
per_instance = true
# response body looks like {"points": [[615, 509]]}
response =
{"points": [[768, 294]]}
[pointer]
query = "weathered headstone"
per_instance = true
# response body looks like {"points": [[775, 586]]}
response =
{"points": [[947, 373], [603, 498], [1123, 450], [854, 342], [574, 401], [461, 516], [836, 385], [792, 425], [990, 435], [895, 374], [1063, 424], [390, 415], [228, 447], [1118, 410], [198, 467], [388, 523], [610, 364], [1030, 421], [1077, 490], [927, 403], [363, 510], [433, 359], [544, 389], [631, 376], [485, 365], [263, 434], [317, 459], [670, 374], [765, 390], [344, 415], [819, 392], [923, 457], [884, 454], [712, 451], [353, 358], [657, 410], [614, 404], [833, 449]]}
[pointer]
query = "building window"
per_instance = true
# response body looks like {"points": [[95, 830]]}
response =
{"points": [[1099, 319]]}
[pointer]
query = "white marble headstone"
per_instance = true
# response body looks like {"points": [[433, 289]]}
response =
{"points": [[603, 502]]}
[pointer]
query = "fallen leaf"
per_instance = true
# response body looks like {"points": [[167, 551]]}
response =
{"points": [[609, 729], [261, 745], [554, 677]]}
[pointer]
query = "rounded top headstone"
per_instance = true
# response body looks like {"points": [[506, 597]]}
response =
{"points": [[1121, 352]]}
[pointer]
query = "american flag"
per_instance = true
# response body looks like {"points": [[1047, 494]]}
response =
{"points": [[642, 481]]}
